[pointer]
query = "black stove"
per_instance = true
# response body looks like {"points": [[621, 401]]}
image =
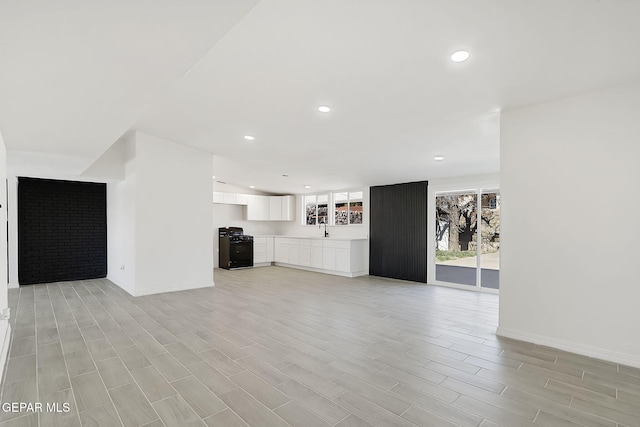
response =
{"points": [[235, 248], [242, 238]]}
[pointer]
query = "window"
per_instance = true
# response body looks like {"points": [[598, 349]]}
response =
{"points": [[316, 209], [347, 207]]}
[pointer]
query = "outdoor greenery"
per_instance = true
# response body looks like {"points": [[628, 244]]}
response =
{"points": [[456, 222], [449, 255]]}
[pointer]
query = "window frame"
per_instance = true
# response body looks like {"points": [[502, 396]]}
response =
{"points": [[348, 202], [317, 203], [331, 207], [474, 184]]}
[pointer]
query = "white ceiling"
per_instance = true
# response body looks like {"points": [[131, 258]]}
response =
{"points": [[75, 76]]}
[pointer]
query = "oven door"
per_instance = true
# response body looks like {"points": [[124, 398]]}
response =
{"points": [[240, 254]]}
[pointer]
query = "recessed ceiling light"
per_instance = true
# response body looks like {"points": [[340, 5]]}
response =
{"points": [[252, 186], [324, 109], [249, 137], [460, 56], [307, 186], [438, 158], [214, 177]]}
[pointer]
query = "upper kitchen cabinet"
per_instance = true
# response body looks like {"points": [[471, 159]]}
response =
{"points": [[271, 208], [229, 198], [275, 207], [288, 208], [258, 208]]}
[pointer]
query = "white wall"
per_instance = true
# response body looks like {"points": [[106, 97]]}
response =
{"points": [[12, 214], [173, 216], [110, 166], [121, 218], [570, 201], [5, 329]]}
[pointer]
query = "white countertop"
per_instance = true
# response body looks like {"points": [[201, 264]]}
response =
{"points": [[312, 237]]}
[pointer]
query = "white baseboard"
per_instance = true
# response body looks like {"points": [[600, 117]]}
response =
{"points": [[5, 341], [128, 289], [320, 270], [585, 350], [160, 290], [263, 264], [164, 289]]}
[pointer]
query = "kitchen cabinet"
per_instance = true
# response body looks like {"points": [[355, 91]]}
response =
{"points": [[344, 257], [329, 255], [257, 208], [218, 197], [288, 208], [259, 250], [304, 251], [294, 251], [281, 250], [262, 251], [270, 250], [275, 207], [271, 208], [229, 198], [316, 254]]}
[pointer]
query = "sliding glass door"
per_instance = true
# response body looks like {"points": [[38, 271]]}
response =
{"points": [[468, 238], [456, 218], [489, 234]]}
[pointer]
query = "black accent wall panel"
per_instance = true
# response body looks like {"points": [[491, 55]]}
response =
{"points": [[62, 230], [398, 231]]}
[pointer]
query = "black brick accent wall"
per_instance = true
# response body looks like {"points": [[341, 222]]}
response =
{"points": [[62, 230], [398, 231]]}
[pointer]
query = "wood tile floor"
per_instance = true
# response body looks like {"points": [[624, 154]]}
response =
{"points": [[276, 347]]}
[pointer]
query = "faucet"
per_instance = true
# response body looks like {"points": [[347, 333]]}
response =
{"points": [[326, 233]]}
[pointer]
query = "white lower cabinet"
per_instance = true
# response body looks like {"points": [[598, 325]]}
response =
{"points": [[262, 250], [294, 251], [316, 254], [329, 255], [281, 250], [343, 259], [333, 256], [270, 250], [305, 253], [259, 250]]}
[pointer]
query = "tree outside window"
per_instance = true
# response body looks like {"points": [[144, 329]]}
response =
{"points": [[347, 207], [316, 209]]}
